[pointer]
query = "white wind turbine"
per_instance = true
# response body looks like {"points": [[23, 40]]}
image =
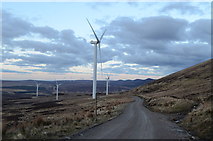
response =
{"points": [[57, 87], [107, 85], [96, 44], [37, 86]]}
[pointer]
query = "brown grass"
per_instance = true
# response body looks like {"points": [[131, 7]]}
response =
{"points": [[170, 104], [200, 119], [181, 92], [74, 114]]}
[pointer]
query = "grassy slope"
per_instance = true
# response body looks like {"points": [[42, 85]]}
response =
{"points": [[185, 92]]}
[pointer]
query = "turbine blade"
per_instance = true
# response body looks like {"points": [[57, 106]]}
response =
{"points": [[102, 35], [93, 30], [99, 47]]}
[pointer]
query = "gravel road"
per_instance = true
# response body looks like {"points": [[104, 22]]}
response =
{"points": [[136, 122]]}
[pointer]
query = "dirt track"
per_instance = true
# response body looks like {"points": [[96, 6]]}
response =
{"points": [[137, 122]]}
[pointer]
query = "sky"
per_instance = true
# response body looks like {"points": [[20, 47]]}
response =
{"points": [[51, 40]]}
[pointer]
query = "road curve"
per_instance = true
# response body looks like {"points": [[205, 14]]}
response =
{"points": [[136, 122]]}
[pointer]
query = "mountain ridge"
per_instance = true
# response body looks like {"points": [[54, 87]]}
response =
{"points": [[82, 86]]}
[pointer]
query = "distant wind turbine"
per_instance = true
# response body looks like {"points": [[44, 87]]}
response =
{"points": [[96, 44], [107, 85], [37, 86], [57, 87]]}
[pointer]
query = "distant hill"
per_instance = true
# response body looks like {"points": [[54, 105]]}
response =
{"points": [[187, 92], [72, 86]]}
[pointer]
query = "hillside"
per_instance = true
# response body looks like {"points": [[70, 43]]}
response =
{"points": [[186, 93]]}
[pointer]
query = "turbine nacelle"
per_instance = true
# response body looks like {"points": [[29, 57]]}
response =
{"points": [[94, 42]]}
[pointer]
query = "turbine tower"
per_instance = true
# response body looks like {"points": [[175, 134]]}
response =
{"points": [[96, 44], [107, 85], [37, 86], [57, 87]]}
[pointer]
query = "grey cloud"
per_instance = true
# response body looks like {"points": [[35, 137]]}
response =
{"points": [[46, 31], [182, 7], [201, 30], [163, 28], [34, 45], [8, 54], [12, 71], [133, 3], [154, 28], [62, 50], [137, 70], [160, 41], [13, 26], [53, 63], [108, 54]]}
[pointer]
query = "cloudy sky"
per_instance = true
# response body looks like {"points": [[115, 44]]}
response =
{"points": [[51, 40]]}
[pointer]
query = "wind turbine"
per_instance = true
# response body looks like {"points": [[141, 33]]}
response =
{"points": [[107, 85], [96, 44], [57, 86], [37, 86]]}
